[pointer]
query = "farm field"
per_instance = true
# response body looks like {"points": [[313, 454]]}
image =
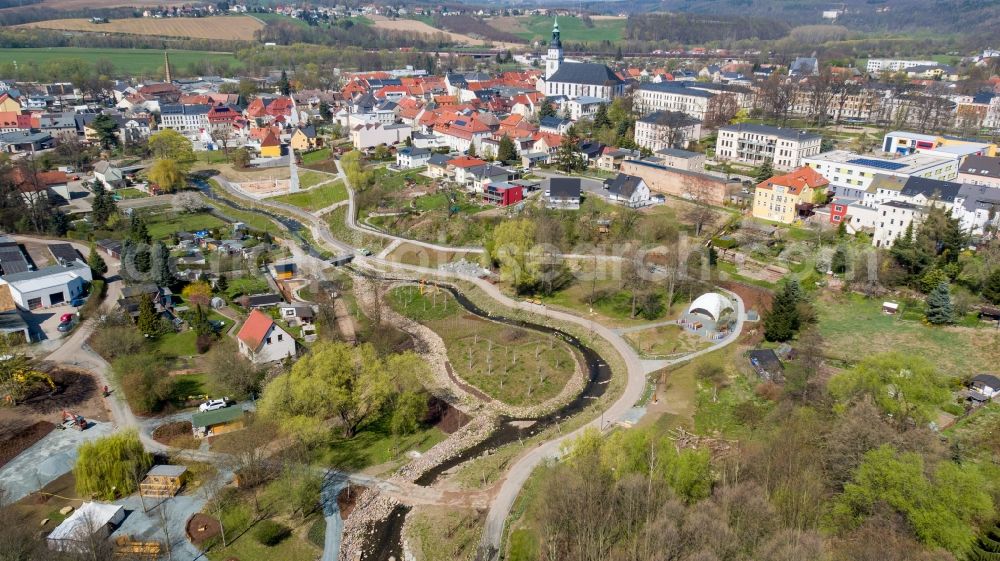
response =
{"points": [[533, 28], [127, 61], [77, 4], [240, 28], [417, 26]]}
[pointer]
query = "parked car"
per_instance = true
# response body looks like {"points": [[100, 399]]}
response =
{"points": [[65, 327], [213, 404]]}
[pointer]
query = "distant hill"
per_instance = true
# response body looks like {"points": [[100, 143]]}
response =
{"points": [[963, 16]]}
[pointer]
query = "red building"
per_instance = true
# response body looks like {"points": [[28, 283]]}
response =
{"points": [[838, 210], [502, 194]]}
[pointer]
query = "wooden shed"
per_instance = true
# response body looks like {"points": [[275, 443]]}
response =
{"points": [[214, 423], [163, 481]]}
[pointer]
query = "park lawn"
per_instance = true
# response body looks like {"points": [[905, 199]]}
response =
{"points": [[245, 548], [375, 445], [317, 197], [513, 365], [665, 340], [247, 286], [310, 178], [412, 254], [336, 220], [127, 62], [164, 224], [854, 327], [316, 156]]}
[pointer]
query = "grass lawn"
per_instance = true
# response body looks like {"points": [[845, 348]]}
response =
{"points": [[665, 340], [316, 156], [515, 366], [131, 193], [317, 197], [855, 327], [127, 62], [246, 285], [309, 178], [164, 224], [177, 344], [572, 29], [336, 220], [376, 445], [189, 385], [256, 221], [244, 547], [436, 532], [425, 257]]}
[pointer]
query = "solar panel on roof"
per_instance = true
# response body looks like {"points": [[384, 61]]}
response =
{"points": [[880, 164]]}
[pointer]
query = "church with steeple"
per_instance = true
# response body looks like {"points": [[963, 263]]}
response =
{"points": [[577, 79]]}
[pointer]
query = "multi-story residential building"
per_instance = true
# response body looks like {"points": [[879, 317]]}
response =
{"points": [[584, 107], [780, 198], [980, 170], [892, 220], [696, 99], [681, 159], [977, 207], [851, 174], [879, 65], [755, 144], [184, 118], [667, 129]]}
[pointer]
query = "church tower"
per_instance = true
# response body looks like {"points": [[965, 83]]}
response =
{"points": [[555, 56]]}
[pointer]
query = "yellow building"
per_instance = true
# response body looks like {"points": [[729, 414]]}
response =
{"points": [[8, 103], [780, 198], [270, 147], [305, 138]]}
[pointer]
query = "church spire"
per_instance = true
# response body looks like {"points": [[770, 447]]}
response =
{"points": [[556, 43]]}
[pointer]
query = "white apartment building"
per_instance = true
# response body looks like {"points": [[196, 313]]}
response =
{"points": [[584, 107], [980, 170], [666, 129], [786, 149], [879, 65], [184, 118], [671, 96], [851, 174]]}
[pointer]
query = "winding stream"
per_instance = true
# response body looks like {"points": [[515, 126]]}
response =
{"points": [[389, 531]]}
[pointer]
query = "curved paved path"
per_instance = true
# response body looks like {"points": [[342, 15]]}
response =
{"points": [[637, 369]]}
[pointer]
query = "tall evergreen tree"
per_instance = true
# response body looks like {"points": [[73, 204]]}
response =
{"points": [[783, 320], [991, 288], [506, 152], [472, 150], [137, 230], [765, 172], [601, 120], [148, 322], [159, 268], [96, 262], [546, 109], [103, 206], [939, 309], [221, 285], [283, 85]]}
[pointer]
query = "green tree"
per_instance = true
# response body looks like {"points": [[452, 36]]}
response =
{"points": [[106, 129], [939, 310], [103, 207], [601, 120], [991, 288], [159, 268], [241, 158], [510, 247], [942, 505], [284, 87], [169, 144], [765, 172], [222, 284], [506, 151], [96, 262], [547, 109], [782, 320], [471, 152], [137, 230], [568, 157], [111, 467], [148, 322], [838, 263], [167, 175], [907, 387], [931, 279], [338, 381]]}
